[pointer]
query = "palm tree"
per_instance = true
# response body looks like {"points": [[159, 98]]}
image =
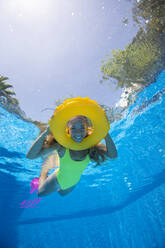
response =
{"points": [[5, 92]]}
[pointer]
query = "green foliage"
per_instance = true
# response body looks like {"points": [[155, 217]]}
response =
{"points": [[5, 92], [132, 64], [141, 60], [151, 11]]}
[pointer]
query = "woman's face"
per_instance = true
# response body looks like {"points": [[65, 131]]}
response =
{"points": [[78, 130]]}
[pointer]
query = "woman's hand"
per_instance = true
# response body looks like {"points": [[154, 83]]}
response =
{"points": [[48, 141]]}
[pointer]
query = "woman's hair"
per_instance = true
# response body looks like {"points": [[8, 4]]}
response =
{"points": [[81, 118], [97, 153]]}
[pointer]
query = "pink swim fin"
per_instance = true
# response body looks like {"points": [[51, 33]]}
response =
{"points": [[34, 184], [32, 203]]}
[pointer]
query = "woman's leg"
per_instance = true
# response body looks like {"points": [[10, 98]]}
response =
{"points": [[50, 185], [66, 191]]}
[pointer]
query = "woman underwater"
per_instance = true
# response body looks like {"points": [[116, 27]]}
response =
{"points": [[71, 162]]}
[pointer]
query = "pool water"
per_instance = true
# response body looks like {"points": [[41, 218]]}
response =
{"points": [[119, 204]]}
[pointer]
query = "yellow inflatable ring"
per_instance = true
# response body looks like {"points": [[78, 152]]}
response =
{"points": [[71, 108]]}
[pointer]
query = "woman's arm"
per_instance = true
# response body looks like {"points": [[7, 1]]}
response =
{"points": [[110, 147], [35, 149]]}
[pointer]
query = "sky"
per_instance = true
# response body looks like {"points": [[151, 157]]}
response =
{"points": [[52, 49]]}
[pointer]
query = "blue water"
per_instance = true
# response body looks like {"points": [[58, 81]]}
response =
{"points": [[119, 204]]}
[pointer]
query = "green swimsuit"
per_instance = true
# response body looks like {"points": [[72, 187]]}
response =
{"points": [[70, 171]]}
